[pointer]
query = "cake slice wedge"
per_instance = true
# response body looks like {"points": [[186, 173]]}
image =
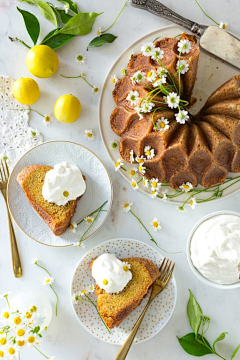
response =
{"points": [[58, 218], [114, 308]]}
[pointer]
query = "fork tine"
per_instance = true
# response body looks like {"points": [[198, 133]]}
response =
{"points": [[170, 274], [164, 269], [161, 266], [167, 271], [7, 169], [3, 171]]}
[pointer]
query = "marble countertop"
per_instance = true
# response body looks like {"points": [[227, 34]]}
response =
{"points": [[66, 338]]}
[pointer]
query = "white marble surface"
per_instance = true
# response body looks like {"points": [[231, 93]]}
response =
{"points": [[66, 339]]}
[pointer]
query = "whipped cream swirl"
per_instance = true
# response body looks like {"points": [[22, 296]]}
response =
{"points": [[63, 183]]}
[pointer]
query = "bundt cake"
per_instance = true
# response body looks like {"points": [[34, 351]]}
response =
{"points": [[202, 148]]}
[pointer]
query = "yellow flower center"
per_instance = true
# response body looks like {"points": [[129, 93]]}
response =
{"points": [[3, 341], [83, 291], [148, 152], [33, 308], [20, 332], [6, 315], [140, 161], [80, 57], [117, 164], [31, 339], [28, 315], [125, 268], [89, 220], [99, 32], [140, 168], [153, 192], [1, 332], [96, 89], [155, 224], [113, 80], [105, 282], [1, 354], [132, 172], [154, 184], [91, 288], [144, 182], [71, 226], [65, 193], [191, 202], [224, 26], [21, 343], [126, 205], [11, 351], [48, 281], [186, 186], [89, 134], [47, 118], [162, 124], [133, 184], [17, 320], [149, 74]]}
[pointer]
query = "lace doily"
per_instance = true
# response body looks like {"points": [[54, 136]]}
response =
{"points": [[16, 136]]}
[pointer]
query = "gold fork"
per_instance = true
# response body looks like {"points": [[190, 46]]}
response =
{"points": [[16, 262], [166, 270]]}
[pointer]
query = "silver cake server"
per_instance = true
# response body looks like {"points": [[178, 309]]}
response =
{"points": [[212, 39]]}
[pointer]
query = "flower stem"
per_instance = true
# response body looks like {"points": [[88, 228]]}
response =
{"points": [[116, 18], [76, 77], [82, 238], [89, 299], [206, 13], [18, 40], [100, 208], [40, 352], [6, 297], [29, 110], [36, 263], [56, 297]]}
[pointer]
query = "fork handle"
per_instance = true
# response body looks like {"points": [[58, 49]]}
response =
{"points": [[122, 353], [16, 262]]}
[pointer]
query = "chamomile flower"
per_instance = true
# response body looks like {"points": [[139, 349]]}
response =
{"points": [[138, 77], [193, 202], [182, 66], [151, 76], [20, 344], [73, 226], [89, 134], [5, 315], [2, 353], [17, 320], [153, 194], [91, 288], [4, 295], [48, 119], [11, 352], [148, 49], [149, 152], [127, 206], [159, 81], [118, 164], [156, 224], [131, 156], [133, 172], [126, 266], [138, 110], [155, 184], [184, 46], [3, 340], [142, 169], [83, 291], [89, 219], [66, 8], [140, 160], [182, 116], [133, 97], [113, 144], [145, 182], [81, 58], [124, 72], [29, 317], [106, 283], [114, 79], [48, 280], [181, 209], [146, 106], [186, 187], [75, 298], [162, 72], [34, 261], [33, 132], [99, 32], [33, 307], [165, 195], [21, 332], [157, 54], [134, 184], [96, 90], [161, 124], [172, 99], [223, 25], [31, 340]]}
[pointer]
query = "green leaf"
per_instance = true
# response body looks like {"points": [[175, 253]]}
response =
{"points": [[47, 11], [192, 346], [72, 6], [36, 329], [80, 24], [101, 40], [219, 338], [31, 23], [63, 16], [235, 352], [194, 312], [57, 40]]}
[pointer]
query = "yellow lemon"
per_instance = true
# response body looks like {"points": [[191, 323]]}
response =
{"points": [[67, 109], [26, 91], [42, 61]]}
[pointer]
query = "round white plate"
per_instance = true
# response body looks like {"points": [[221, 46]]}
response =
{"points": [[212, 72], [159, 312], [99, 190]]}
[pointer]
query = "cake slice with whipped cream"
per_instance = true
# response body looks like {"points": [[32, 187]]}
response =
{"points": [[53, 192]]}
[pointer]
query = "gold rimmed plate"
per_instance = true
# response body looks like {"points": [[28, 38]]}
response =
{"points": [[99, 190]]}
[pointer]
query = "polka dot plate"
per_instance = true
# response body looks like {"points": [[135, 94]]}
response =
{"points": [[159, 312]]}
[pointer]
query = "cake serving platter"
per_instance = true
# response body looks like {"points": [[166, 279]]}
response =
{"points": [[212, 72], [159, 312], [98, 190]]}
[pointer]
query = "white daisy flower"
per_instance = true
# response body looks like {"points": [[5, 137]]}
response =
{"points": [[32, 340], [148, 49], [20, 332], [6, 294], [77, 244], [134, 184], [161, 124], [153, 194], [11, 352], [124, 72], [34, 261], [138, 77], [156, 224], [89, 219], [146, 106], [91, 288], [142, 169], [182, 116], [81, 58], [66, 8], [172, 99], [159, 81], [96, 90], [182, 66], [184, 46], [181, 209], [127, 206], [99, 32], [48, 119], [118, 164], [151, 76], [145, 182], [157, 54], [138, 110], [20, 344], [133, 97], [113, 144], [48, 280], [162, 72], [33, 132], [133, 172], [73, 226], [131, 156], [75, 298], [155, 184], [114, 79], [186, 187], [5, 315], [3, 342], [106, 283], [193, 202], [89, 134], [140, 160], [165, 195], [126, 266], [149, 152], [223, 25]]}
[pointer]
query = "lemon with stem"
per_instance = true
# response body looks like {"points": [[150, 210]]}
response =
{"points": [[67, 109], [42, 61]]}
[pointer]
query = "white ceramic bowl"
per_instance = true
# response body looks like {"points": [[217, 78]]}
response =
{"points": [[193, 268]]}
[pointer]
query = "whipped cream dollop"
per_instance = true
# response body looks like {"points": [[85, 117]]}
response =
{"points": [[63, 183], [215, 249], [110, 273]]}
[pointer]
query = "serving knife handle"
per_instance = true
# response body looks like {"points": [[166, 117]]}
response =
{"points": [[159, 9]]}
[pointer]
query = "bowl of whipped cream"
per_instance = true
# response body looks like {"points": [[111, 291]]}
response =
{"points": [[213, 249]]}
